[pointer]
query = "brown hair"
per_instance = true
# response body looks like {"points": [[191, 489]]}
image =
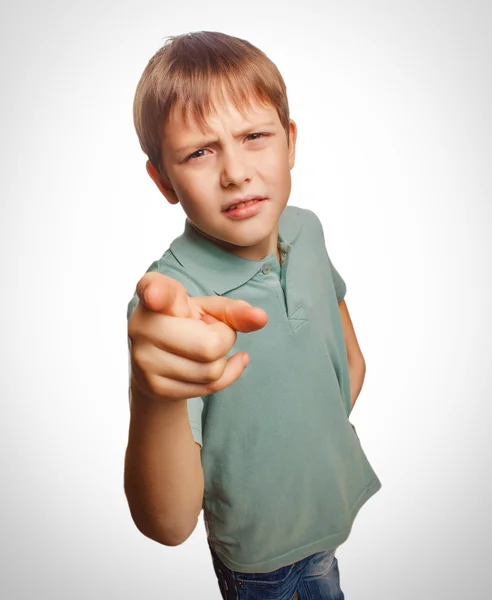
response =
{"points": [[189, 70]]}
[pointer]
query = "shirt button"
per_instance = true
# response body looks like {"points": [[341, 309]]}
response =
{"points": [[266, 269]]}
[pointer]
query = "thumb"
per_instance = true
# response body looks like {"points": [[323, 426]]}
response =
{"points": [[163, 294]]}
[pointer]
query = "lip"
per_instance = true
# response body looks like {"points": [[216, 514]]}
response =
{"points": [[245, 212], [244, 199]]}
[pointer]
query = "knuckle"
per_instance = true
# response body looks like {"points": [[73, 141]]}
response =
{"points": [[210, 349], [211, 388], [135, 326], [132, 330], [159, 386], [215, 386], [138, 355], [153, 385], [214, 371]]}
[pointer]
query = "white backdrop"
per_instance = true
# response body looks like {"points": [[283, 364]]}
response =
{"points": [[392, 100]]}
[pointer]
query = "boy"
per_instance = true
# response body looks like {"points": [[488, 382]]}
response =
{"points": [[268, 451]]}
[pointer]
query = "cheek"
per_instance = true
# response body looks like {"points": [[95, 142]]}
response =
{"points": [[275, 161], [194, 182], [276, 170]]}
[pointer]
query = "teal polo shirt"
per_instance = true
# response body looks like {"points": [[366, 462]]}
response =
{"points": [[284, 471]]}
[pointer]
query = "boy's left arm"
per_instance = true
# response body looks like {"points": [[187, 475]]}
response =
{"points": [[356, 362]]}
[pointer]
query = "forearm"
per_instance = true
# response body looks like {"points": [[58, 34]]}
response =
{"points": [[163, 472], [357, 372]]}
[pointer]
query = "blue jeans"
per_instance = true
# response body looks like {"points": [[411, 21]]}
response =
{"points": [[315, 577]]}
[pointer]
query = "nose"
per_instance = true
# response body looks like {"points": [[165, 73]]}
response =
{"points": [[235, 168]]}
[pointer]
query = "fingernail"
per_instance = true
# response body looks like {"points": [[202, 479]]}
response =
{"points": [[246, 360]]}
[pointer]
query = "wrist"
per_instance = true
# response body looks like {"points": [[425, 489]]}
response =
{"points": [[142, 402]]}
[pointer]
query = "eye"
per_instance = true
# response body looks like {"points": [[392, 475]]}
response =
{"points": [[194, 155], [258, 134]]}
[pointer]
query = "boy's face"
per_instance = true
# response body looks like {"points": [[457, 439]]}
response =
{"points": [[206, 170]]}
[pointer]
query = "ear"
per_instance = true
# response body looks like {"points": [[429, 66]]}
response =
{"points": [[162, 182], [292, 143]]}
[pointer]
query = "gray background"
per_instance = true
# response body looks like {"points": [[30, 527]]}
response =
{"points": [[392, 101]]}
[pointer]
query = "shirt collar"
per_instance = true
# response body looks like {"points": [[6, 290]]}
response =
{"points": [[222, 270]]}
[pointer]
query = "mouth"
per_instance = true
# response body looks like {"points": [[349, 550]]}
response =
{"points": [[245, 203], [245, 210]]}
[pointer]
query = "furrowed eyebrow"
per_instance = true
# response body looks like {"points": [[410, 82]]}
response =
{"points": [[209, 142]]}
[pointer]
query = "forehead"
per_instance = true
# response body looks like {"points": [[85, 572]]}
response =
{"points": [[183, 120]]}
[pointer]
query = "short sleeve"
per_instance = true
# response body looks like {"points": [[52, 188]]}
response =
{"points": [[339, 283], [195, 408]]}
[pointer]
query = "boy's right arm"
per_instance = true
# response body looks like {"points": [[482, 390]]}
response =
{"points": [[178, 351], [163, 471]]}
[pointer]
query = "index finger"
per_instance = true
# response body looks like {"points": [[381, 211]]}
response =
{"points": [[237, 314]]}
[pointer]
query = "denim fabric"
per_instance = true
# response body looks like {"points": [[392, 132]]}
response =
{"points": [[315, 577]]}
